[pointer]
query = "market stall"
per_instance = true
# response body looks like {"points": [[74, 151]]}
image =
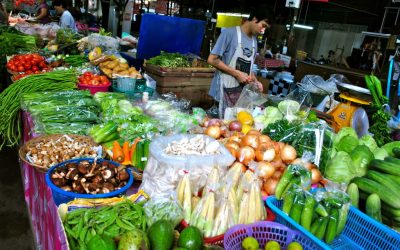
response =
{"points": [[109, 157]]}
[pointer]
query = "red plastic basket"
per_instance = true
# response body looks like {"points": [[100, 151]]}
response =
{"points": [[94, 89], [219, 239]]}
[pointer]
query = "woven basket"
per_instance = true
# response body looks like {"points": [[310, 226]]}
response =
{"points": [[43, 169]]}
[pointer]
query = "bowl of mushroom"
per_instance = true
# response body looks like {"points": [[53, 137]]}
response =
{"points": [[88, 178]]}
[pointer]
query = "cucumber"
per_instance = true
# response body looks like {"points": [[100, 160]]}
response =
{"points": [[320, 209], [322, 227], [383, 180], [342, 218], [386, 194], [315, 225], [298, 204], [146, 149], [139, 155], [390, 210], [282, 184], [394, 178], [353, 192], [373, 207], [307, 213], [386, 167], [332, 226], [288, 201], [392, 160], [396, 152]]}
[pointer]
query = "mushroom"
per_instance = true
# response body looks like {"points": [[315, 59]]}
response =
{"points": [[77, 187], [107, 173], [98, 179], [123, 175], [66, 188], [91, 172], [59, 182], [114, 181], [107, 187], [94, 186], [71, 173], [83, 168]]}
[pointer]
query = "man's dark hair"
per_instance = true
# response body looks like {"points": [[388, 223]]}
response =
{"points": [[261, 13], [64, 3]]}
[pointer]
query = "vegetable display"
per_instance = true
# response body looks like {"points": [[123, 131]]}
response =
{"points": [[169, 60], [90, 178], [10, 128], [115, 68], [11, 41], [58, 112], [91, 79], [81, 225]]}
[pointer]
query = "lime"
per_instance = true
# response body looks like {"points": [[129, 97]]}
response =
{"points": [[294, 246], [272, 245], [250, 243]]}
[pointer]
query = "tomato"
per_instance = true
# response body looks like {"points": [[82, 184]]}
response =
{"points": [[87, 73], [37, 72], [94, 82], [20, 68], [42, 64], [27, 65], [103, 78], [35, 68], [85, 82], [13, 68], [29, 72]]}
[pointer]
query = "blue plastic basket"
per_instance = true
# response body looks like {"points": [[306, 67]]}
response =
{"points": [[61, 196], [265, 231], [361, 231]]}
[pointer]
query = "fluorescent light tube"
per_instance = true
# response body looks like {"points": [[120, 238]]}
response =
{"points": [[300, 26]]}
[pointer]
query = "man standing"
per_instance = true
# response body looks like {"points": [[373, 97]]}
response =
{"points": [[233, 57], [66, 19]]}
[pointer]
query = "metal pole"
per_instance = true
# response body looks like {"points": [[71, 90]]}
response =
{"points": [[397, 16], [383, 21], [305, 15]]}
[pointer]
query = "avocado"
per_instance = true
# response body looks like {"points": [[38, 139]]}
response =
{"points": [[191, 239], [161, 235]]}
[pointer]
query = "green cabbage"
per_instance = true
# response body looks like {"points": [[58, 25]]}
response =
{"points": [[289, 107], [338, 168], [361, 157], [380, 153], [346, 131], [347, 144], [368, 141]]}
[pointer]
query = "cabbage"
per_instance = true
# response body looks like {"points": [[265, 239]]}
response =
{"points": [[368, 141], [338, 168], [380, 153], [289, 107], [271, 115], [361, 157], [346, 131], [347, 144]]}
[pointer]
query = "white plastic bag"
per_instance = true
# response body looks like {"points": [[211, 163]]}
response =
{"points": [[163, 171]]}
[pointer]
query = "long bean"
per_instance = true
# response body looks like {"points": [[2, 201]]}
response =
{"points": [[10, 98]]}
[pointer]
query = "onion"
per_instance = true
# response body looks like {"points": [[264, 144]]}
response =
{"points": [[234, 138], [264, 139], [235, 126], [264, 193], [214, 122], [278, 164], [265, 170], [233, 145], [277, 175], [288, 154], [254, 132], [213, 131], [315, 176], [246, 154], [250, 140], [243, 167], [265, 153], [281, 145], [233, 152], [277, 150], [270, 185], [300, 161]]}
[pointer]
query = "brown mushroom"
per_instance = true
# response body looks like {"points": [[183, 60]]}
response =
{"points": [[108, 173], [123, 175], [71, 173], [66, 188], [98, 179], [59, 182], [114, 181], [107, 187], [83, 168]]}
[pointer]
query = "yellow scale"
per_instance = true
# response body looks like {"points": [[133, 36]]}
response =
{"points": [[343, 113]]}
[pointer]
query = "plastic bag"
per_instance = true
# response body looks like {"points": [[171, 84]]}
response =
{"points": [[105, 42], [164, 207], [162, 172], [251, 97], [317, 85]]}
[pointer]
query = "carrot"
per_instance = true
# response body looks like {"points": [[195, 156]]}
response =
{"points": [[125, 150], [133, 148], [118, 154]]}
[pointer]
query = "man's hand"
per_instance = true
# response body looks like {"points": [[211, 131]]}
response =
{"points": [[242, 77]]}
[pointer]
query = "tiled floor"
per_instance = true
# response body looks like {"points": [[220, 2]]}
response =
{"points": [[15, 229]]}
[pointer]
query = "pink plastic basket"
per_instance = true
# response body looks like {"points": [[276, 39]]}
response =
{"points": [[265, 231], [94, 89]]}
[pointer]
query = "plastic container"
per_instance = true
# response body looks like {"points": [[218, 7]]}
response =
{"points": [[265, 231], [94, 89], [140, 88], [219, 239], [361, 231], [126, 83], [60, 196]]}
